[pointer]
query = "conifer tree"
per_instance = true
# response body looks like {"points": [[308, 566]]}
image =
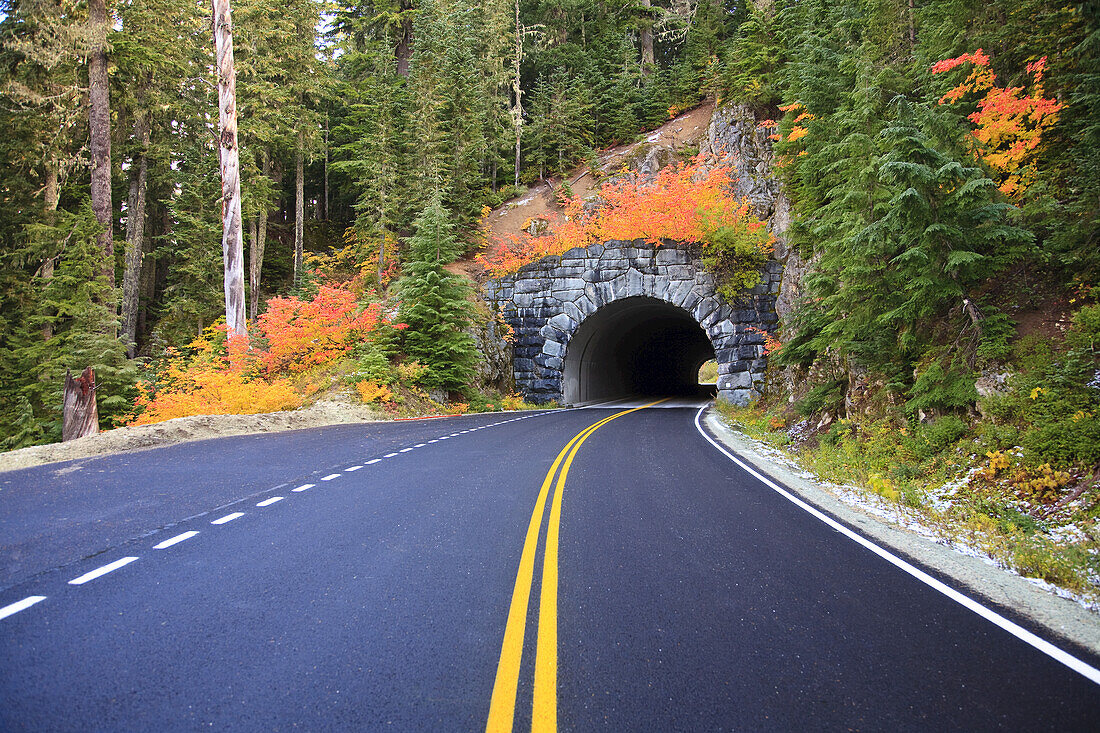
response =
{"points": [[434, 303]]}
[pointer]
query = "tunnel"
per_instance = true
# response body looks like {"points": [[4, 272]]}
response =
{"points": [[636, 346]]}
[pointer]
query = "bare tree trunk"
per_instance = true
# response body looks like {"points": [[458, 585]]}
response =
{"points": [[517, 91], [53, 197], [99, 139], [79, 414], [404, 50], [254, 265], [912, 26], [232, 244], [259, 244], [646, 39], [299, 204], [327, 215], [135, 236]]}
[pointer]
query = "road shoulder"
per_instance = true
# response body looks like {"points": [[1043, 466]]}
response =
{"points": [[1062, 617]]}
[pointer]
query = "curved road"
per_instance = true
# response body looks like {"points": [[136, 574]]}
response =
{"points": [[544, 569]]}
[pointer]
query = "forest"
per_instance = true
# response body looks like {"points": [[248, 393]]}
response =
{"points": [[940, 157]]}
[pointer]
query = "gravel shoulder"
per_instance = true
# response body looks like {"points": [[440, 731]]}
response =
{"points": [[184, 429], [1035, 601]]}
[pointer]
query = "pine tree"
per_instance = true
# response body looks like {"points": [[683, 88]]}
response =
{"points": [[434, 303]]}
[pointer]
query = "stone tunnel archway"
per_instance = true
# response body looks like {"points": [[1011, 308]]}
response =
{"points": [[592, 323], [635, 346]]}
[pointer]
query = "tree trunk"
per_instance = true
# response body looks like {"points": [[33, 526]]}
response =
{"points": [[517, 91], [259, 244], [327, 215], [99, 135], [646, 39], [53, 197], [79, 415], [299, 204], [135, 236], [404, 50], [232, 244]]}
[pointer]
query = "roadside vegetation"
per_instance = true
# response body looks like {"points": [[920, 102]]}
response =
{"points": [[1012, 473]]}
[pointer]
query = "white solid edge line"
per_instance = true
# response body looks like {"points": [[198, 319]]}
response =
{"points": [[1044, 646], [373, 461], [175, 540], [228, 518], [330, 477], [272, 500], [101, 571], [303, 487], [20, 606]]}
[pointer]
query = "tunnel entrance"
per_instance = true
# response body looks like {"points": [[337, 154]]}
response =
{"points": [[636, 346]]}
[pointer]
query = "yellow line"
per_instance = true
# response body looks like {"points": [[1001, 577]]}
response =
{"points": [[503, 703]]}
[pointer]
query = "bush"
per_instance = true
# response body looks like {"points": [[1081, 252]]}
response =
{"points": [[932, 438]]}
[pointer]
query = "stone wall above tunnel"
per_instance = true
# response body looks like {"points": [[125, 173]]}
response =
{"points": [[547, 301]]}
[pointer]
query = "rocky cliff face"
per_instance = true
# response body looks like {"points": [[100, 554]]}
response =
{"points": [[734, 138]]}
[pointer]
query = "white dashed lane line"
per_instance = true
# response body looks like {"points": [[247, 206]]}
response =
{"points": [[175, 540], [122, 562], [20, 606], [99, 572]]}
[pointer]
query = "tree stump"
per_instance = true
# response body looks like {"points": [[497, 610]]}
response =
{"points": [[79, 415]]}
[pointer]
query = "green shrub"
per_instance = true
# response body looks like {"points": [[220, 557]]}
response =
{"points": [[937, 388], [824, 398], [931, 438]]}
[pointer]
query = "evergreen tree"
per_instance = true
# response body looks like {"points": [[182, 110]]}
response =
{"points": [[434, 303]]}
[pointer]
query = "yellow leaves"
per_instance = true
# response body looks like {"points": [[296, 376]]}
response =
{"points": [[1036, 392], [997, 463], [205, 390], [373, 392], [883, 486]]}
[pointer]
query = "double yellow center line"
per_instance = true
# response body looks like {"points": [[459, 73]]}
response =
{"points": [[502, 708]]}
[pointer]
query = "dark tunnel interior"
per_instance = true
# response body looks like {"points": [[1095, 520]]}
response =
{"points": [[636, 346]]}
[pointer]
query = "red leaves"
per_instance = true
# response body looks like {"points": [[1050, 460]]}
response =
{"points": [[1009, 124], [303, 334]]}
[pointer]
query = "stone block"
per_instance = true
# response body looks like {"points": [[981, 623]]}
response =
{"points": [[679, 272], [563, 323], [532, 285], [553, 348], [672, 256]]}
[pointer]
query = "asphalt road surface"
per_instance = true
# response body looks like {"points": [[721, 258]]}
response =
{"points": [[546, 570]]}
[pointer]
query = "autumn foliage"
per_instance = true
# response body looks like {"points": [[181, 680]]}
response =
{"points": [[222, 375], [1009, 123], [685, 204], [216, 378], [302, 334]]}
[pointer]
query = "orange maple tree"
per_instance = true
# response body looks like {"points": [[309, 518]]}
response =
{"points": [[683, 203], [1009, 123]]}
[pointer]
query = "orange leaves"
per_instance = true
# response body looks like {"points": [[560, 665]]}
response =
{"points": [[303, 334], [217, 379], [683, 203], [1009, 124], [222, 376]]}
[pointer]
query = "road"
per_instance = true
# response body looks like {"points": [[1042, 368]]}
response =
{"points": [[546, 570]]}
